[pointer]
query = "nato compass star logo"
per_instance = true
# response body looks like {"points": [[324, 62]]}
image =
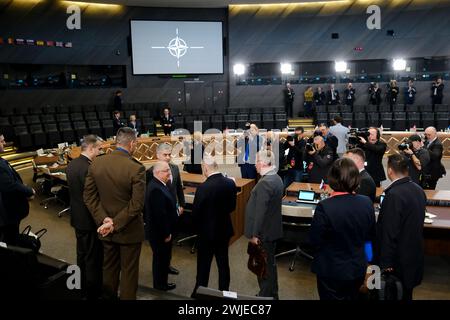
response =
{"points": [[177, 47]]}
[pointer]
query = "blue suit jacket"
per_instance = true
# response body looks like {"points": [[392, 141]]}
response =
{"points": [[13, 195]]}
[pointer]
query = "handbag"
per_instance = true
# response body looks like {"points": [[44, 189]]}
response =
{"points": [[30, 240], [257, 260]]}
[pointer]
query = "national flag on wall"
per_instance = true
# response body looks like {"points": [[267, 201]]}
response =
{"points": [[1, 40], [20, 41], [40, 43], [68, 44], [30, 42], [50, 43], [59, 44], [10, 41]]}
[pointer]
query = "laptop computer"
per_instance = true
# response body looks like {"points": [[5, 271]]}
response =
{"points": [[307, 196]]}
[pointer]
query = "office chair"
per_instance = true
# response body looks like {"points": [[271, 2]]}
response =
{"points": [[188, 224], [57, 192], [295, 229]]}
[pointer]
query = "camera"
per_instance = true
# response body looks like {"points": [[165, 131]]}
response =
{"points": [[310, 145], [405, 145], [355, 134]]}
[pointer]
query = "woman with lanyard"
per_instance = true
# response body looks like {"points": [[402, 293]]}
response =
{"points": [[341, 226]]}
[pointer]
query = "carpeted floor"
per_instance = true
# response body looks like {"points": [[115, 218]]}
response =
{"points": [[59, 242]]}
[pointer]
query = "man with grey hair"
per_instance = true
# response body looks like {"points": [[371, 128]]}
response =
{"points": [[114, 194], [89, 246], [215, 200], [263, 223], [160, 220], [435, 169], [175, 184]]}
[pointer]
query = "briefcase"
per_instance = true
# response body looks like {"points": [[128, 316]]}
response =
{"points": [[257, 260]]}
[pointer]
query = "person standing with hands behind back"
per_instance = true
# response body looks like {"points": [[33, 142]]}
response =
{"points": [[114, 194]]}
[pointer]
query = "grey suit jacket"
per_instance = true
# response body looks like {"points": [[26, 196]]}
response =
{"points": [[263, 211], [341, 133]]}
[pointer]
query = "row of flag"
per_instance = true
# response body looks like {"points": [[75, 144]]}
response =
{"points": [[48, 43]]}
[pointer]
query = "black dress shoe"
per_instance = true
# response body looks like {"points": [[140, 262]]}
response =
{"points": [[172, 270], [167, 287]]}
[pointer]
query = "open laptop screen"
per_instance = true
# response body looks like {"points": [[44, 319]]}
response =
{"points": [[306, 195]]}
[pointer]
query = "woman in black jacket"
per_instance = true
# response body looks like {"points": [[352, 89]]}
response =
{"points": [[341, 226]]}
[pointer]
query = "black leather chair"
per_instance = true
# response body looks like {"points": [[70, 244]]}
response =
{"points": [[322, 118], [149, 125], [413, 119], [242, 120], [280, 120], [428, 119], [23, 137], [67, 133], [345, 108], [62, 117], [234, 111], [230, 121], [217, 121], [371, 108], [373, 119], [268, 121], [359, 108], [144, 114], [386, 120], [18, 121], [62, 109], [296, 230], [39, 136], [256, 119], [6, 128], [385, 108], [78, 116], [442, 120], [412, 108], [49, 109], [347, 119], [333, 108], [426, 108], [76, 108], [101, 107], [441, 108], [90, 115], [88, 108], [53, 135], [80, 129], [206, 122], [47, 118], [398, 108], [320, 109], [104, 115], [33, 119], [399, 121], [108, 128], [360, 120], [95, 128]]}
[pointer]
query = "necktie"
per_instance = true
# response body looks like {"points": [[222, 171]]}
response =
{"points": [[332, 94], [247, 151]]}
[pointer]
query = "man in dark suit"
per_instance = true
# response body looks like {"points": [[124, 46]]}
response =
{"points": [[135, 124], [118, 100], [366, 185], [167, 122], [437, 92], [374, 150], [117, 122], [114, 194], [399, 246], [160, 220], [350, 95], [89, 246], [214, 201], [319, 160], [330, 139], [263, 220], [289, 99], [175, 184], [14, 197], [248, 145], [435, 169], [333, 95]]}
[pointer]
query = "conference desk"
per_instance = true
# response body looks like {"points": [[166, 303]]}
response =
{"points": [[244, 188], [436, 234]]}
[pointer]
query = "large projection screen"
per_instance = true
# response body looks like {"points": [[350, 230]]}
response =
{"points": [[176, 47]]}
